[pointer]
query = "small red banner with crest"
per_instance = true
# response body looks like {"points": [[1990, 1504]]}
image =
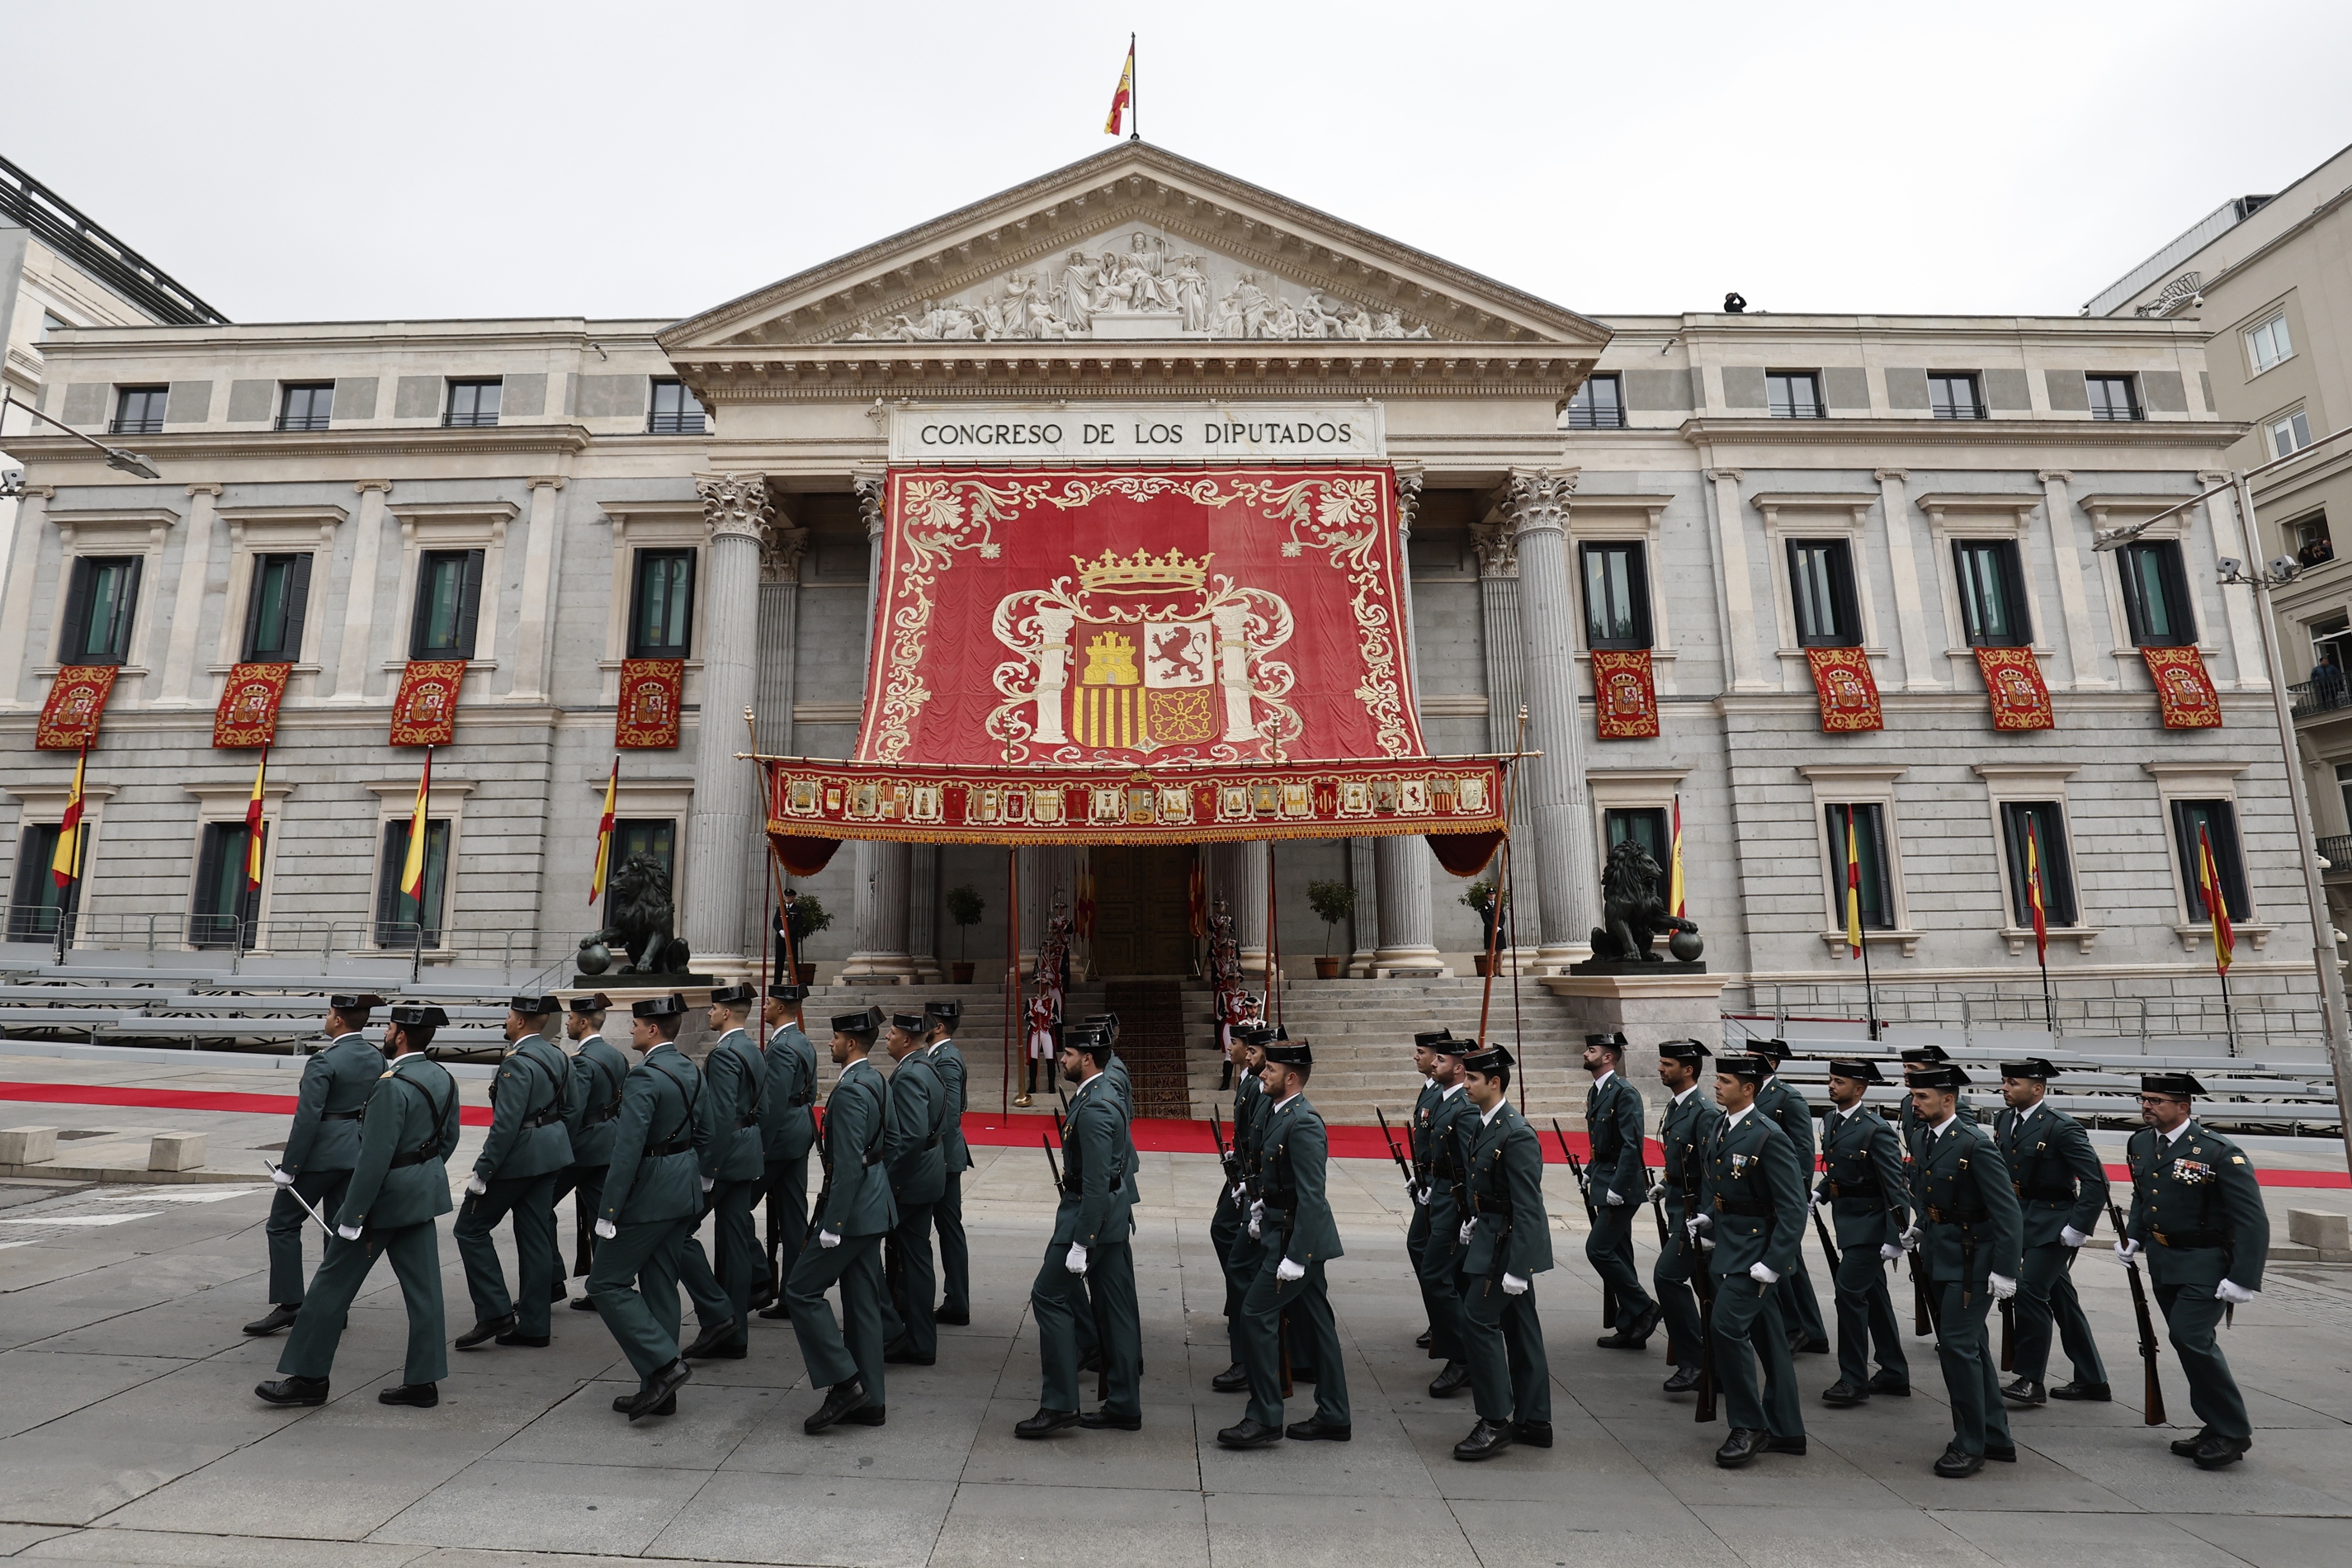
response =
{"points": [[248, 714], [2183, 688], [651, 692], [1848, 693], [69, 718], [1624, 697], [426, 711], [2013, 683]]}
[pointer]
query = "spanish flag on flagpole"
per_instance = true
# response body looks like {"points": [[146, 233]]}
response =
{"points": [[1852, 891], [253, 825], [65, 866], [412, 871], [604, 834], [1674, 901], [2217, 903], [2033, 895], [1121, 100]]}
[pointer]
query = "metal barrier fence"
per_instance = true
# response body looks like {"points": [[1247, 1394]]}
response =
{"points": [[524, 958], [2255, 1021]]}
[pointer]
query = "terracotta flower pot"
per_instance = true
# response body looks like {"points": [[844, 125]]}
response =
{"points": [[960, 974], [1478, 962], [1328, 968], [808, 973]]}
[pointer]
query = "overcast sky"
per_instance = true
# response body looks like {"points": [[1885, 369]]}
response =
{"points": [[310, 162]]}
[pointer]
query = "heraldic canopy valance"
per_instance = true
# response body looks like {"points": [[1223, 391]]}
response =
{"points": [[1117, 657]]}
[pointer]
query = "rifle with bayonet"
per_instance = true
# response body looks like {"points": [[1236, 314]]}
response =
{"points": [[2152, 1388], [1227, 1160], [1591, 1217], [1703, 1283], [288, 1188], [1821, 1229], [1411, 1177]]}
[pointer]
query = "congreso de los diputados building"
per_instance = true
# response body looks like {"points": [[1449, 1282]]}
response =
{"points": [[1794, 582]]}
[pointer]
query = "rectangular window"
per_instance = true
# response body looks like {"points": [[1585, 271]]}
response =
{"points": [[654, 836], [676, 411], [1597, 404], [306, 407], [2290, 434], [473, 403], [1645, 826], [139, 411], [2344, 788], [449, 602], [100, 595], [2156, 595], [1874, 881], [1821, 580], [2047, 822], [227, 912], [2219, 818], [33, 912], [399, 916], [2111, 397], [1616, 595], [1952, 394], [1794, 394], [661, 605], [2267, 344], [1992, 593], [273, 617], [2313, 544]]}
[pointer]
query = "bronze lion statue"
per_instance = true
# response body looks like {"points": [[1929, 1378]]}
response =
{"points": [[1633, 910], [640, 919]]}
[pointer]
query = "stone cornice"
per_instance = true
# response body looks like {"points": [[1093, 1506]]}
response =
{"points": [[235, 446], [2210, 434]]}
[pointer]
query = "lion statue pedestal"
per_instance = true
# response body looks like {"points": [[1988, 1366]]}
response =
{"points": [[639, 921], [1633, 914]]}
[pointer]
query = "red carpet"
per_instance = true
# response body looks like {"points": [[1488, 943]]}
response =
{"points": [[1153, 1135]]}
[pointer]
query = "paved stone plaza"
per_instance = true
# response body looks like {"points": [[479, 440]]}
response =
{"points": [[129, 1433]]}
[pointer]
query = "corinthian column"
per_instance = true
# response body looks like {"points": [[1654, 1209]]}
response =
{"points": [[1498, 622], [1552, 785], [1401, 864], [718, 840], [884, 870]]}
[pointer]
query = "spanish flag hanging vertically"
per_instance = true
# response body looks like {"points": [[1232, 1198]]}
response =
{"points": [[252, 825], [1674, 900], [1120, 99], [2034, 896], [2217, 903], [1852, 891], [412, 871], [66, 864], [605, 836]]}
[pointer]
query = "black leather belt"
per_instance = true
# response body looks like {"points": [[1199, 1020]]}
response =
{"points": [[743, 1122], [551, 1116], [668, 1146], [1853, 1189], [341, 1115], [431, 1151]]}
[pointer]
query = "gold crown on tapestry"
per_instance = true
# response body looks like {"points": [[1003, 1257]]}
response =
{"points": [[1141, 571]]}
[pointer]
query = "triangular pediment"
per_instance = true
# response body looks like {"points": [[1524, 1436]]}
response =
{"points": [[1134, 243]]}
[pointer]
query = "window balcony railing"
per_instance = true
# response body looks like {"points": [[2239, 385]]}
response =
{"points": [[2322, 695], [2336, 848]]}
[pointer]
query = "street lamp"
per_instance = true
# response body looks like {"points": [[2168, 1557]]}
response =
{"points": [[120, 457]]}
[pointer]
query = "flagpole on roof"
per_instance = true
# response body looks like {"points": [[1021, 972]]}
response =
{"points": [[1134, 100]]}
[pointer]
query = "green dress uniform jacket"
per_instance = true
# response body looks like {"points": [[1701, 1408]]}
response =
{"points": [[529, 1103], [1093, 1210], [522, 1161], [398, 1188], [653, 1196], [1752, 1191], [858, 1198], [2060, 1183], [321, 1147], [1510, 1376], [1793, 1114], [1683, 1132], [1293, 1148], [947, 1218], [1236, 1253], [914, 1152], [598, 1075], [1867, 1189], [1437, 1158], [723, 1281], [1971, 1227], [2198, 1211], [734, 1077], [1114, 1073], [1613, 1119], [788, 1097], [856, 1206]]}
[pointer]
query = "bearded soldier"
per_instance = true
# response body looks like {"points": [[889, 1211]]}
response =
{"points": [[2061, 1188], [955, 1252], [1089, 1267], [598, 1073], [528, 1149], [1800, 1308], [913, 1152], [1236, 1249], [1683, 1134], [1967, 1228], [1751, 1208], [321, 1147], [787, 1133], [1612, 1117], [734, 1077], [1440, 1164], [853, 1213], [1506, 1242], [1867, 1193]]}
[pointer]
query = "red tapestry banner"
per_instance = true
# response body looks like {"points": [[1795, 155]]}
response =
{"points": [[71, 715], [248, 714], [1029, 804], [2013, 683], [1624, 698], [1848, 693], [2183, 689], [1068, 618], [651, 693], [426, 711]]}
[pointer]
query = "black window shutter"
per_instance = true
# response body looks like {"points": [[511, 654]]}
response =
{"points": [[682, 634], [470, 604], [126, 610], [420, 616], [297, 605], [637, 638], [73, 640], [253, 596]]}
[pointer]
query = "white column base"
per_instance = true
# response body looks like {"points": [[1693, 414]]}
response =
{"points": [[880, 968], [1410, 964]]}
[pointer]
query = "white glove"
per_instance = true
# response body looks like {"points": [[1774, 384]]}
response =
{"points": [[828, 1239], [606, 1229], [1421, 1196], [1077, 1262], [476, 1185], [1761, 1274], [2003, 1286], [1888, 1252], [1461, 1238], [1657, 1190], [2127, 1251], [281, 1175], [1238, 1190], [2234, 1293], [2073, 1238], [1514, 1286], [1701, 1221], [348, 1232], [707, 1183], [1909, 1239], [1613, 1198], [1822, 1198], [1412, 1191], [1287, 1271]]}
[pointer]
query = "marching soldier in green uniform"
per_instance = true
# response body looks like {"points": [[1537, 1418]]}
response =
{"points": [[598, 1073], [1116, 1079], [1683, 1134], [1751, 1208], [1867, 1192], [1089, 1257], [1800, 1308], [1236, 1251], [734, 1078], [853, 1213], [947, 1218], [1506, 1242], [787, 1134], [651, 1203], [1613, 1119], [1290, 1217], [527, 1148], [321, 1147], [913, 1152], [399, 1186], [1416, 1228], [1907, 1119], [2062, 1189], [2196, 1220], [1964, 1220], [1438, 1169]]}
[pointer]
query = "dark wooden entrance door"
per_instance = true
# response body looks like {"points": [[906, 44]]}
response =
{"points": [[1142, 919]]}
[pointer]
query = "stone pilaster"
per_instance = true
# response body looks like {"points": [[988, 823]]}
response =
{"points": [[1923, 668], [923, 912], [179, 682], [535, 614], [360, 593], [721, 833], [1401, 864], [2086, 668], [1554, 833], [1364, 925]]}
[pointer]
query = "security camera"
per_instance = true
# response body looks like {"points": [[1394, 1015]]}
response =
{"points": [[2284, 566], [2229, 566], [12, 483]]}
